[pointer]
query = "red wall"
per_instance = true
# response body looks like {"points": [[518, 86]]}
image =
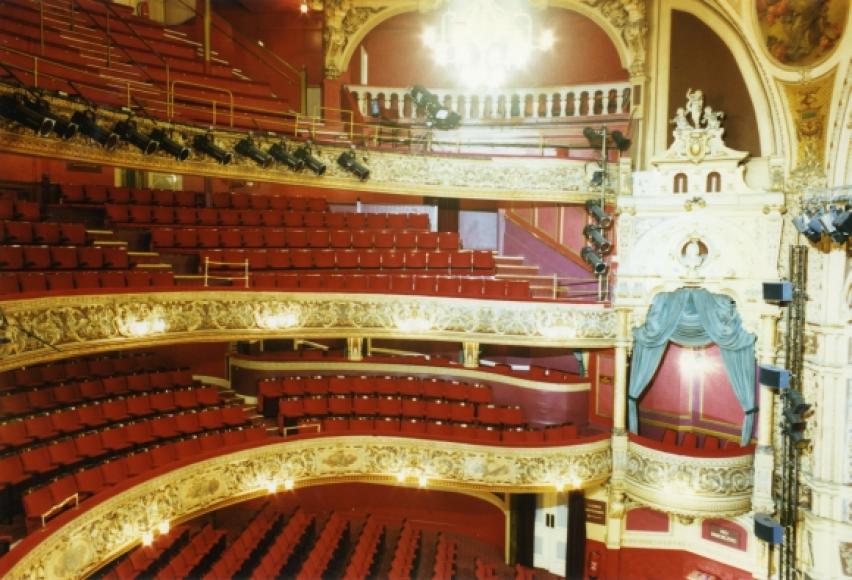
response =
{"points": [[647, 520], [203, 358], [583, 53]]}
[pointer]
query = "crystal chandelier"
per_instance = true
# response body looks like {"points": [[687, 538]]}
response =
{"points": [[483, 41]]}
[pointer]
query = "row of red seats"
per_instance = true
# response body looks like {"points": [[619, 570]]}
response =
{"points": [[43, 428], [371, 385], [103, 194], [406, 549], [22, 282], [229, 563], [92, 481], [465, 260], [445, 558], [214, 237], [324, 548], [365, 550], [48, 233], [79, 369], [396, 284], [74, 391], [16, 209], [191, 557], [140, 561], [292, 409], [275, 560], [134, 215], [63, 257], [437, 429], [18, 468], [690, 441]]}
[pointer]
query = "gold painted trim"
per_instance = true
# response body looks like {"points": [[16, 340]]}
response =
{"points": [[95, 323], [84, 543], [456, 372], [694, 429]]}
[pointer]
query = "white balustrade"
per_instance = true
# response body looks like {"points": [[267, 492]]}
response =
{"points": [[561, 102]]}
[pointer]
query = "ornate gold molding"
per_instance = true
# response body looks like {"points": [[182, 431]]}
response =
{"points": [[689, 486], [511, 179], [86, 542], [437, 371], [85, 324]]}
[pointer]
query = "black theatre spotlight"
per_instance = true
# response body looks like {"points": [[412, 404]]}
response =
{"points": [[169, 145], [594, 137], [205, 144], [349, 162], [19, 109], [795, 413], [311, 162], [593, 259], [596, 236], [622, 143], [247, 148], [128, 131], [803, 223], [437, 115], [280, 153], [843, 221], [829, 221], [64, 127], [594, 208], [89, 127]]}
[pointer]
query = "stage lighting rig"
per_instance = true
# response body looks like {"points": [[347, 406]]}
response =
{"points": [[18, 108], [247, 148], [594, 208], [281, 154], [593, 259], [169, 145], [595, 235], [205, 144], [88, 124], [64, 127], [349, 161], [437, 115], [313, 163], [129, 131]]}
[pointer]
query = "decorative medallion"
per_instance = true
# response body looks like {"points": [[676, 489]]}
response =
{"points": [[801, 32]]}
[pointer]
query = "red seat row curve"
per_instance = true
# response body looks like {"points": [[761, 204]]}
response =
{"points": [[136, 215], [63, 257], [163, 238], [36, 282], [47, 233]]}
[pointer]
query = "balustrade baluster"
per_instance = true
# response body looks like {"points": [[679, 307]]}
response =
{"points": [[563, 104], [468, 101], [619, 101], [548, 106], [536, 103], [362, 104], [604, 102], [577, 102]]}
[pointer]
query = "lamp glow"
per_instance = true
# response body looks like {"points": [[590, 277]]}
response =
{"points": [[422, 480], [485, 40], [164, 527], [289, 484], [271, 487], [147, 538]]}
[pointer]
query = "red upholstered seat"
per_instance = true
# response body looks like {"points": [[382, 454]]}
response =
{"points": [[46, 233], [362, 239], [115, 472], [63, 452], [139, 463], [90, 481]]}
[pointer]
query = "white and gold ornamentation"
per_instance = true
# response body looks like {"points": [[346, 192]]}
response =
{"points": [[85, 324], [83, 544]]}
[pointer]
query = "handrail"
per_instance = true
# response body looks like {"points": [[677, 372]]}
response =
{"points": [[75, 497], [208, 277], [176, 82], [286, 430]]}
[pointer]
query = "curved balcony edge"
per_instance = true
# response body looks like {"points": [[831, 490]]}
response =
{"points": [[688, 485], [77, 325], [81, 540]]}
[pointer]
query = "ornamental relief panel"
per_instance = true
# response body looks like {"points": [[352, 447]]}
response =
{"points": [[105, 531], [87, 323], [689, 486]]}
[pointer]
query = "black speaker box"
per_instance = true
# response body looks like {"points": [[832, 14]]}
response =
{"points": [[767, 529], [778, 291], [773, 377]]}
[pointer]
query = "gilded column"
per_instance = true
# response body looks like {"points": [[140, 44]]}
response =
{"points": [[471, 354], [355, 348], [763, 457], [616, 501], [622, 343]]}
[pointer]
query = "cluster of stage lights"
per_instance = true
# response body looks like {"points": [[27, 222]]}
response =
{"points": [[600, 246], [35, 114], [827, 213]]}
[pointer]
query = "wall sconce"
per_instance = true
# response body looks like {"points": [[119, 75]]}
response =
{"points": [[164, 527], [147, 538], [414, 324], [145, 327], [289, 484], [278, 320]]}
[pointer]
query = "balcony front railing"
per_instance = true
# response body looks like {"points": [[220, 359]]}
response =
{"points": [[554, 104]]}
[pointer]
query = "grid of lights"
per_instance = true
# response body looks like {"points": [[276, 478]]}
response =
{"points": [[827, 212], [34, 113], [484, 41]]}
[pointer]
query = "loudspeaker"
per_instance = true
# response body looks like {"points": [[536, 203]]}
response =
{"points": [[773, 377], [767, 529], [778, 291]]}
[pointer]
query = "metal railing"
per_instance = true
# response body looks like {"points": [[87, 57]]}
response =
{"points": [[75, 497], [208, 277]]}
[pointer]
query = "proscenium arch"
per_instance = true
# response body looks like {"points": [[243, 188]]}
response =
{"points": [[772, 129], [402, 6]]}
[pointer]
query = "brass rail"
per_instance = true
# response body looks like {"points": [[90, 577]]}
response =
{"points": [[296, 428], [176, 82], [208, 277], [75, 497]]}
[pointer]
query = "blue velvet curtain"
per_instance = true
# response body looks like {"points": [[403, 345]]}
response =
{"points": [[694, 317]]}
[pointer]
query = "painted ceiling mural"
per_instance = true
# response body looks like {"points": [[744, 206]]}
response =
{"points": [[801, 32]]}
